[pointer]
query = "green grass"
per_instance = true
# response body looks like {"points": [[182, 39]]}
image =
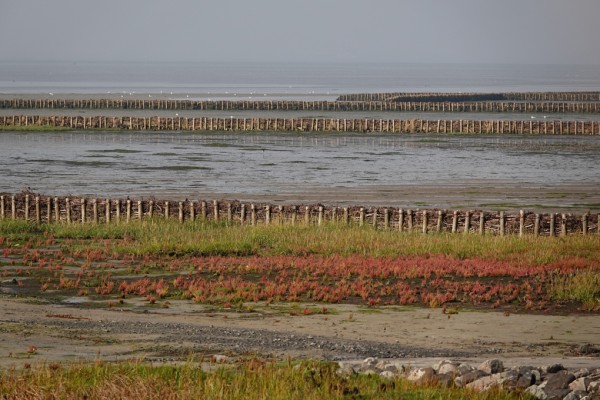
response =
{"points": [[197, 238], [250, 380], [581, 286]]}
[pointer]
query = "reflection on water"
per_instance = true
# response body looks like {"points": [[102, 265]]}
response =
{"points": [[191, 164]]}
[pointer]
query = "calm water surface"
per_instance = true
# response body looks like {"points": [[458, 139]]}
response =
{"points": [[111, 164]]}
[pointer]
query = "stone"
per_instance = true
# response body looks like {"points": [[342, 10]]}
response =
{"points": [[220, 358], [502, 379], [468, 377], [536, 392], [387, 374], [552, 369], [421, 375], [594, 387], [346, 368], [580, 373], [580, 384], [464, 368], [440, 364], [370, 361], [451, 369], [559, 380], [576, 395], [444, 380], [491, 366]]}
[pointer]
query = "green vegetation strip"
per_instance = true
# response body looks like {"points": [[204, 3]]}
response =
{"points": [[219, 239], [250, 380]]}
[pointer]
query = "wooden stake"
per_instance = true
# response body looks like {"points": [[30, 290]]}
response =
{"points": [[467, 221], [294, 214], [439, 221], [26, 207], [502, 224], [253, 214], [361, 219], [83, 210], [584, 223], [118, 210], [215, 210], [107, 204], [267, 215], [307, 215], [140, 210], [242, 213], [552, 224], [167, 211], [320, 217], [38, 216], [2, 210], [128, 211], [536, 225], [425, 222], [563, 225], [95, 210], [482, 223], [192, 211], [181, 216], [400, 219], [454, 221], [409, 217], [203, 211], [346, 216], [151, 209], [521, 223], [68, 209], [386, 218]]}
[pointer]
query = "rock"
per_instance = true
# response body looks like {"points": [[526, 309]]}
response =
{"points": [[594, 387], [468, 377], [491, 366], [559, 380], [220, 358], [450, 369], [503, 379], [439, 364], [464, 368], [588, 349], [552, 369], [421, 376], [580, 373], [387, 375], [536, 392], [580, 384], [576, 395], [370, 361], [444, 380], [346, 368]]}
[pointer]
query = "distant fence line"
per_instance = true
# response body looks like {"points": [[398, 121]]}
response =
{"points": [[47, 209], [442, 97], [362, 125], [418, 105]]}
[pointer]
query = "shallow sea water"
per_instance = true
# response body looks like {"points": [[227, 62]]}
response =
{"points": [[189, 165]]}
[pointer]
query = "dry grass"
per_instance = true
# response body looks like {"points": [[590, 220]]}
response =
{"points": [[251, 380]]}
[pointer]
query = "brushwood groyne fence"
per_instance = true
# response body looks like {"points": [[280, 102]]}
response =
{"points": [[415, 104], [470, 97], [40, 209], [363, 125]]}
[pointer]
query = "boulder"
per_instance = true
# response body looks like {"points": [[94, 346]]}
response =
{"points": [[559, 380], [552, 369], [580, 384], [536, 392], [491, 366], [502, 379], [421, 376], [468, 377], [464, 368]]}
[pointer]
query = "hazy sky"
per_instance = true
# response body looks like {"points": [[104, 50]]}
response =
{"points": [[485, 31]]}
